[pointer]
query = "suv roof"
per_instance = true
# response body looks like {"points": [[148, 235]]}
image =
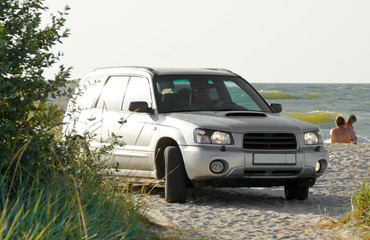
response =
{"points": [[166, 71]]}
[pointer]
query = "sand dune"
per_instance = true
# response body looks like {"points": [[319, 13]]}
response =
{"points": [[263, 213]]}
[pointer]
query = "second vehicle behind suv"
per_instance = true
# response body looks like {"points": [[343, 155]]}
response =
{"points": [[195, 126]]}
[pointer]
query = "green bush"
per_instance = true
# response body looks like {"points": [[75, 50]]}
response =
{"points": [[28, 124], [49, 188]]}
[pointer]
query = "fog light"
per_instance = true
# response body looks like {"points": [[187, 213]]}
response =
{"points": [[321, 166], [217, 166]]}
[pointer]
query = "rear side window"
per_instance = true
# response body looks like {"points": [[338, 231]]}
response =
{"points": [[88, 91], [113, 92], [138, 89]]}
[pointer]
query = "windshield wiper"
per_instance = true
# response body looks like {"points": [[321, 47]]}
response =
{"points": [[230, 109], [239, 110], [188, 110]]}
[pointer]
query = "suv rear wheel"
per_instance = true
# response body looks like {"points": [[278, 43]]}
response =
{"points": [[175, 185], [293, 191]]}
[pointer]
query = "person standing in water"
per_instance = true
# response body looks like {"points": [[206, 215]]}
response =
{"points": [[340, 134]]}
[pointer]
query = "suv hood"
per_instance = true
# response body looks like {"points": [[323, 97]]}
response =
{"points": [[241, 122]]}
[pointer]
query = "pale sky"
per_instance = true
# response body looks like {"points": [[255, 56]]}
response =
{"points": [[311, 41]]}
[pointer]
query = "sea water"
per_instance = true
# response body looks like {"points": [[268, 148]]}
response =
{"points": [[320, 104]]}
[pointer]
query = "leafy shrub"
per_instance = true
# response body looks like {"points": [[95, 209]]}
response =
{"points": [[28, 124], [49, 188]]}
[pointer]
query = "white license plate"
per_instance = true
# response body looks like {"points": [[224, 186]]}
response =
{"points": [[289, 159]]}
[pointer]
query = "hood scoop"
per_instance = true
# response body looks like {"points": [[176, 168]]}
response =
{"points": [[245, 114]]}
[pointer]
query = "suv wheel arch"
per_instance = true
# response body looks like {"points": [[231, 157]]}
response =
{"points": [[159, 159]]}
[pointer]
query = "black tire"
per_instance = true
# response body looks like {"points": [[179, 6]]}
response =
{"points": [[293, 191], [175, 181]]}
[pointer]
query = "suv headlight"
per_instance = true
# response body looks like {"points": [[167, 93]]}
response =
{"points": [[312, 138], [212, 136]]}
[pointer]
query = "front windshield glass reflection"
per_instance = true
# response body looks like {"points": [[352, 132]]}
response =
{"points": [[206, 93]]}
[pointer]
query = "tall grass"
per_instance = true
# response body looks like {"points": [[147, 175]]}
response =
{"points": [[360, 214], [64, 210], [76, 202], [361, 206]]}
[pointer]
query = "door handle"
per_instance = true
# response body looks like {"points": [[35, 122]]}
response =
{"points": [[122, 120], [91, 118]]}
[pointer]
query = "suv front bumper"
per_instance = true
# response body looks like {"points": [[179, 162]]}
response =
{"points": [[253, 168]]}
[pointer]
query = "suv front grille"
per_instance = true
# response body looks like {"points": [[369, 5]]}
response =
{"points": [[271, 173], [269, 141]]}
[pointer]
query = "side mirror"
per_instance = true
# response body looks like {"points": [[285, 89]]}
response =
{"points": [[276, 107], [139, 107]]}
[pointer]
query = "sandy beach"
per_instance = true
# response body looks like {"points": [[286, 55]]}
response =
{"points": [[263, 213]]}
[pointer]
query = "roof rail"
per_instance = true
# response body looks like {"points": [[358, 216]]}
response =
{"points": [[219, 69], [118, 67]]}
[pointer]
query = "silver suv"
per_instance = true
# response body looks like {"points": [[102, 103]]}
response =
{"points": [[195, 127]]}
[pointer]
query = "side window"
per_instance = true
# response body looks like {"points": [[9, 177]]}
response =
{"points": [[88, 92], [112, 94], [138, 89]]}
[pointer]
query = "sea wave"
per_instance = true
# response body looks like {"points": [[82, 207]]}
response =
{"points": [[315, 87], [274, 94], [316, 117], [363, 139], [319, 107], [313, 95]]}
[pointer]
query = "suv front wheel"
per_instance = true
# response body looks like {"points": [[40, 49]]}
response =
{"points": [[175, 185]]}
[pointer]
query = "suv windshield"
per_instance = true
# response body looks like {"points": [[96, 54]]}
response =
{"points": [[206, 93]]}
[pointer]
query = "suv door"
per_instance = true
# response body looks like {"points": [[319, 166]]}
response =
{"points": [[107, 107], [83, 109], [133, 128]]}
